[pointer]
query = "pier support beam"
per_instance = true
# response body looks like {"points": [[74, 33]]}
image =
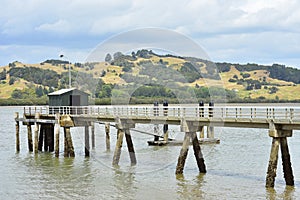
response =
{"points": [[57, 130], [190, 128], [17, 132], [286, 162], [197, 152], [279, 140], [36, 133], [272, 168], [29, 136], [118, 147], [130, 147], [86, 141], [183, 154], [107, 139], [68, 143], [93, 134], [123, 126]]}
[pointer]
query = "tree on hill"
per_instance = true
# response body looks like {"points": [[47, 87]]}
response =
{"points": [[3, 75]]}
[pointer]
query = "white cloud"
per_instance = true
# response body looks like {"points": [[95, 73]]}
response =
{"points": [[60, 26], [234, 27]]}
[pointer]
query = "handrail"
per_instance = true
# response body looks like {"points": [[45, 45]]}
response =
{"points": [[235, 112]]}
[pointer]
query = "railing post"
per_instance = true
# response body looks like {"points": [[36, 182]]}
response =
{"points": [[201, 110]]}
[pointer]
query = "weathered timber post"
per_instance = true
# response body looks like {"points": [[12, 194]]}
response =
{"points": [[210, 129], [29, 135], [183, 153], [17, 132], [36, 133], [286, 162], [93, 134], [86, 141], [50, 135], [123, 126], [156, 113], [272, 168], [66, 147], [130, 147], [107, 128], [118, 147], [67, 122], [69, 142], [198, 154], [190, 128], [42, 138], [201, 130], [57, 124], [166, 126], [279, 139]]}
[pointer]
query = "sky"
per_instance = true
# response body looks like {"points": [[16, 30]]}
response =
{"points": [[236, 31]]}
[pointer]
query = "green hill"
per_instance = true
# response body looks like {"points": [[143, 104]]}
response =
{"points": [[147, 77]]}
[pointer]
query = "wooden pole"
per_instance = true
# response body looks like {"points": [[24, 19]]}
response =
{"points": [[271, 173], [17, 132], [36, 133], [66, 146], [201, 132], [86, 141], [57, 118], [198, 154], [286, 162], [93, 135], [107, 127], [183, 154], [29, 135], [41, 137], [69, 142], [51, 138], [130, 147], [118, 147]]}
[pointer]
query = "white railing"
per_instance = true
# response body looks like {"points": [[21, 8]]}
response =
{"points": [[171, 111]]}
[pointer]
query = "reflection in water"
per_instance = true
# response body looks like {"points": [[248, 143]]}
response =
{"points": [[190, 189], [124, 183], [288, 193]]}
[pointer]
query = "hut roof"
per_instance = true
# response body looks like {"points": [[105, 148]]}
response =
{"points": [[63, 91]]}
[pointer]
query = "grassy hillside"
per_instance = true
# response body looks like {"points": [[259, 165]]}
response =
{"points": [[153, 77]]}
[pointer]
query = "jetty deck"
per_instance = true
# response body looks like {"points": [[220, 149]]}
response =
{"points": [[280, 121]]}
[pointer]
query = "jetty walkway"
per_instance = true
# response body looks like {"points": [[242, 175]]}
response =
{"points": [[192, 119]]}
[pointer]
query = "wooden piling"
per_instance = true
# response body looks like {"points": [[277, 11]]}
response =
{"points": [[57, 129], [183, 154], [17, 132], [118, 147], [93, 134], [197, 152], [69, 142], [66, 147], [210, 132], [107, 128], [36, 133], [130, 147], [201, 130], [166, 132], [286, 162], [29, 136], [86, 141], [272, 168], [51, 138]]}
